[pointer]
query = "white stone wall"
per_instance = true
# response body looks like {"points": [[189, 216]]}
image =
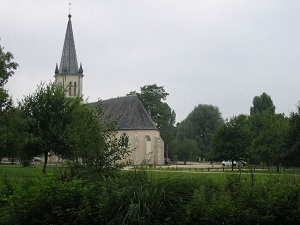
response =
{"points": [[144, 151], [65, 81]]}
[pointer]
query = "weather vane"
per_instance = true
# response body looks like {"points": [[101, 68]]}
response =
{"points": [[70, 7]]}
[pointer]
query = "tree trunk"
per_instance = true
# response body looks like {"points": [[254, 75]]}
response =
{"points": [[45, 162]]}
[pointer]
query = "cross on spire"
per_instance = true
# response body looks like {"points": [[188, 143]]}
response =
{"points": [[70, 6]]}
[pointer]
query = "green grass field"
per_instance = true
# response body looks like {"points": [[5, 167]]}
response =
{"points": [[20, 172]]}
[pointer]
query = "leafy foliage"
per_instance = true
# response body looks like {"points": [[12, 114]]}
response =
{"points": [[270, 144], [11, 123], [66, 128], [200, 125], [94, 142], [153, 97], [14, 135], [184, 149], [293, 139], [138, 197], [7, 67], [48, 110], [261, 103], [232, 139]]}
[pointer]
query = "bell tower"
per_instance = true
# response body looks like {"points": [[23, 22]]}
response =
{"points": [[68, 74]]}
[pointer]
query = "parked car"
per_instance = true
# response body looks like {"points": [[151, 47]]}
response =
{"points": [[241, 163], [228, 163], [36, 159]]}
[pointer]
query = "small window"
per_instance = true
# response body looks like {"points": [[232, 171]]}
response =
{"points": [[124, 140], [75, 88], [148, 137], [70, 89]]}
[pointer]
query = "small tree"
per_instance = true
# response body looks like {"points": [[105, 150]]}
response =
{"points": [[94, 142], [49, 111], [233, 139], [184, 150]]}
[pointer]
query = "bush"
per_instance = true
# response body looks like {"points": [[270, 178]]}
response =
{"points": [[140, 197], [273, 200]]}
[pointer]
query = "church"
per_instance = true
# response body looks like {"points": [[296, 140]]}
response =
{"points": [[134, 123]]}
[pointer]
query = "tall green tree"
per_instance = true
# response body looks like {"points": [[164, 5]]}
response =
{"points": [[232, 140], [293, 139], [200, 125], [14, 135], [153, 98], [270, 145], [262, 103], [8, 115]]}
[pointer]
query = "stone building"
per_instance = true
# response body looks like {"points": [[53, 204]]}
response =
{"points": [[134, 123]]}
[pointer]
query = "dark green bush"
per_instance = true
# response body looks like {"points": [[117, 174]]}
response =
{"points": [[274, 200], [139, 197]]}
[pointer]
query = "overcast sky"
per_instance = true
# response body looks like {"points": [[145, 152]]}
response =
{"points": [[218, 52]]}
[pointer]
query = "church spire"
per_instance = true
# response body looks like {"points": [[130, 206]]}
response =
{"points": [[68, 63], [68, 74]]}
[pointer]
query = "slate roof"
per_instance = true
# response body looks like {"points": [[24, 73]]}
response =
{"points": [[130, 111], [68, 62]]}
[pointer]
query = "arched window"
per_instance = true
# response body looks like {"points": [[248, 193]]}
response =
{"points": [[75, 87], [70, 89], [124, 140]]}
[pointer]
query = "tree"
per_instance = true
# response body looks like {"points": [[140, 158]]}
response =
{"points": [[7, 67], [14, 133], [262, 103], [8, 125], [48, 109], [293, 139], [270, 145], [232, 139], [94, 141], [152, 97], [200, 125], [184, 150], [67, 128]]}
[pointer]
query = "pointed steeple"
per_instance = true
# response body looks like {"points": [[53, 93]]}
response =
{"points": [[68, 63], [56, 69], [67, 74], [80, 69]]}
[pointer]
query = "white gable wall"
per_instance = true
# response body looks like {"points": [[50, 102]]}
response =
{"points": [[146, 145]]}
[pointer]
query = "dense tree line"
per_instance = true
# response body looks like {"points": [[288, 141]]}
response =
{"points": [[262, 137]]}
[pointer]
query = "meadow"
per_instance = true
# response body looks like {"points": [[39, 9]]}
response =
{"points": [[148, 197]]}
